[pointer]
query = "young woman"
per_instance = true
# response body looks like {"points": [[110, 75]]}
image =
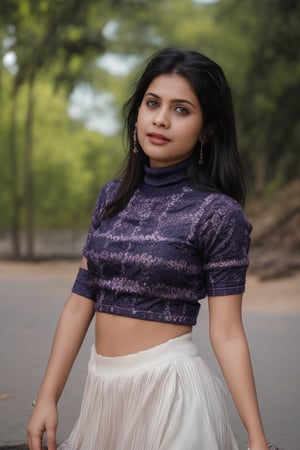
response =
{"points": [[169, 232]]}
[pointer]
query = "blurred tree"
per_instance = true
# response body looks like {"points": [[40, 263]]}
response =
{"points": [[42, 31], [41, 22], [268, 108]]}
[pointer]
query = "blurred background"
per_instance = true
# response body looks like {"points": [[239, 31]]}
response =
{"points": [[66, 68]]}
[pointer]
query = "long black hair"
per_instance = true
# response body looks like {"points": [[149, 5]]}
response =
{"points": [[222, 170]]}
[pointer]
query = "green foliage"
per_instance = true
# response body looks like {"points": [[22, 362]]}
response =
{"points": [[70, 164], [268, 109]]}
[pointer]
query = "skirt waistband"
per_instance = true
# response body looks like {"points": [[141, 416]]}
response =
{"points": [[177, 348]]}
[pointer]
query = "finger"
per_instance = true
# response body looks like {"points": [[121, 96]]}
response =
{"points": [[29, 442], [51, 438], [35, 442]]}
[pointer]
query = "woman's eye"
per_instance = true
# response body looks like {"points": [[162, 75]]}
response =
{"points": [[151, 103], [182, 110]]}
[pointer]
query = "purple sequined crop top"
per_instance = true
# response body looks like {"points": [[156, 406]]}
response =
{"points": [[171, 246]]}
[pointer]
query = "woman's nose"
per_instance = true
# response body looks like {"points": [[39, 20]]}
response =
{"points": [[161, 119]]}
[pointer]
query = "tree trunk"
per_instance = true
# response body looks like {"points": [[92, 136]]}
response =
{"points": [[28, 173], [260, 173], [13, 157]]}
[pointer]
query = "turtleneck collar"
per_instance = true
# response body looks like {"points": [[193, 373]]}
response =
{"points": [[166, 176]]}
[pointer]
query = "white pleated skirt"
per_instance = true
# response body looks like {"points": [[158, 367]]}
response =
{"points": [[164, 398]]}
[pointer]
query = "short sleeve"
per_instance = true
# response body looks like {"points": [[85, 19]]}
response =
{"points": [[84, 283], [226, 241]]}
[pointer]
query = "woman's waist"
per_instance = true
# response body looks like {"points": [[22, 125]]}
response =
{"points": [[117, 335]]}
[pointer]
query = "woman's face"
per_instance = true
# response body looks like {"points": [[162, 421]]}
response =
{"points": [[169, 120]]}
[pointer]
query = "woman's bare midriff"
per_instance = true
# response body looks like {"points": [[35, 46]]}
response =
{"points": [[118, 335]]}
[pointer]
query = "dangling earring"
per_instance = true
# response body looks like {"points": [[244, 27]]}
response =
{"points": [[135, 149], [201, 158]]}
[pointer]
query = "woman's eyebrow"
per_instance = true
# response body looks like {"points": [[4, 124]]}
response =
{"points": [[175, 100]]}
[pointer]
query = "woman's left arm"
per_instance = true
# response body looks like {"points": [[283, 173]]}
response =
{"points": [[230, 346]]}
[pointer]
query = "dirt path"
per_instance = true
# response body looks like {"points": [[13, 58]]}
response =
{"points": [[273, 296]]}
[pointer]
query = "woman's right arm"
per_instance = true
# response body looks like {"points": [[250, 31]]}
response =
{"points": [[71, 330]]}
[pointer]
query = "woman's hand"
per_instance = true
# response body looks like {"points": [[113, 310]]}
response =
{"points": [[44, 419], [72, 327]]}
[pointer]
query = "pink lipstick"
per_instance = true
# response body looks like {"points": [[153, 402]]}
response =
{"points": [[158, 139]]}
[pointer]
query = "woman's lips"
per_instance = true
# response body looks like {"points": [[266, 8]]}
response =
{"points": [[158, 139]]}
